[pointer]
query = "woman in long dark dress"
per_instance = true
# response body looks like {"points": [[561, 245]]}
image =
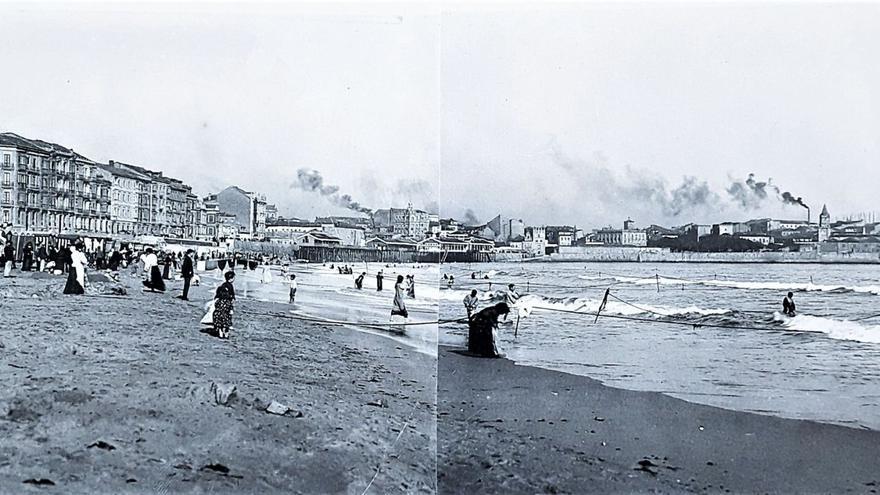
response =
{"points": [[76, 272], [481, 330], [224, 300], [27, 257]]}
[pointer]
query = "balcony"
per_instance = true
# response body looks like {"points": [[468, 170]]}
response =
{"points": [[8, 166], [6, 202], [33, 187], [6, 183]]}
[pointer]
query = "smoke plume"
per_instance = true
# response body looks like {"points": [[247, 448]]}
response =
{"points": [[470, 218], [750, 194], [789, 199], [311, 180]]}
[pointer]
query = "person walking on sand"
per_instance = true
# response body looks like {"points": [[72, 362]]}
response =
{"points": [[169, 260], [292, 284], [399, 307], [76, 278], [154, 281], [27, 257], [359, 281], [9, 256], [266, 276], [224, 300], [42, 255], [470, 303], [187, 273], [788, 305], [379, 277]]}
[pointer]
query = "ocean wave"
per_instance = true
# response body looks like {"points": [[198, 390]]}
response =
{"points": [[528, 303], [835, 329], [752, 285]]}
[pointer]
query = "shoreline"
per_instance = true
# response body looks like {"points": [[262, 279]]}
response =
{"points": [[508, 428], [117, 395]]}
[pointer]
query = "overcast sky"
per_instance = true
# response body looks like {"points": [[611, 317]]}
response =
{"points": [[235, 95], [579, 114], [576, 114]]}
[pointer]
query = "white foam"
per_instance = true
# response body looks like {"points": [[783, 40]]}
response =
{"points": [[528, 303], [836, 329]]}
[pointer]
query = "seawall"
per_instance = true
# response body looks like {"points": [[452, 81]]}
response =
{"points": [[663, 255]]}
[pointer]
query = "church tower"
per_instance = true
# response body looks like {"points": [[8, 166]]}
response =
{"points": [[824, 224]]}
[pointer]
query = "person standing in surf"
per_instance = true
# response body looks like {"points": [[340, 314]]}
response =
{"points": [[359, 281], [510, 297], [788, 305], [379, 277], [293, 285], [470, 303], [399, 307], [151, 266]]}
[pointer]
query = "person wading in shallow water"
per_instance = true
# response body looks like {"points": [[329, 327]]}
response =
{"points": [[470, 303], [788, 305], [482, 331], [359, 281], [399, 307]]}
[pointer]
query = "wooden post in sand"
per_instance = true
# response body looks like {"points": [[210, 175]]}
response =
{"points": [[516, 328], [602, 306], [657, 275]]}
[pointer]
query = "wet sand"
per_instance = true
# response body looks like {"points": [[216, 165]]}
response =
{"points": [[116, 395], [504, 428]]}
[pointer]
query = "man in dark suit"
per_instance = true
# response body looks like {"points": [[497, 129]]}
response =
{"points": [[187, 272]]}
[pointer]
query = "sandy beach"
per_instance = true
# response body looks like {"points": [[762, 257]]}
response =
{"points": [[504, 428], [125, 395]]}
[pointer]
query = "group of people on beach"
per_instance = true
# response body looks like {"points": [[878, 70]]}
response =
{"points": [[483, 324]]}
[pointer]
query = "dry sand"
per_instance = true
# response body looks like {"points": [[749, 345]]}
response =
{"points": [[504, 428], [114, 395]]}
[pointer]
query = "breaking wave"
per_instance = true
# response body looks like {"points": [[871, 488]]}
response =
{"points": [[835, 329], [750, 285]]}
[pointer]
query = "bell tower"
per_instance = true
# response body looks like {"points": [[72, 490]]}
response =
{"points": [[824, 225]]}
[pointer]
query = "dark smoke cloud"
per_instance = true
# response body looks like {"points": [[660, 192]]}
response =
{"points": [[311, 180], [789, 199], [470, 218], [672, 202], [751, 194]]}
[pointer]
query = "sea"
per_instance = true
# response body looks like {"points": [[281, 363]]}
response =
{"points": [[706, 333]]}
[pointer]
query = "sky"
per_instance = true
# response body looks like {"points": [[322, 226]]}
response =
{"points": [[217, 95], [573, 113], [591, 114]]}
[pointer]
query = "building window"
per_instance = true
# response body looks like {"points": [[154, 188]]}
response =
{"points": [[6, 159]]}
